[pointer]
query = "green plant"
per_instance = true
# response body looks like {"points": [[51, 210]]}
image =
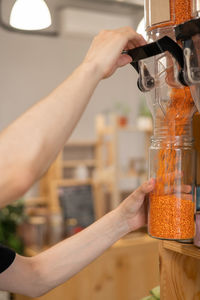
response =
{"points": [[155, 294], [143, 108], [10, 218], [122, 108]]}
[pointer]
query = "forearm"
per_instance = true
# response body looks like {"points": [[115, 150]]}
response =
{"points": [[37, 275], [64, 260], [32, 142]]}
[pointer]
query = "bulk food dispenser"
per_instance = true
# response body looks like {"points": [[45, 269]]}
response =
{"points": [[169, 74]]}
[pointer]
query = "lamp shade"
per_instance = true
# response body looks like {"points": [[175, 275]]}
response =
{"points": [[30, 15]]}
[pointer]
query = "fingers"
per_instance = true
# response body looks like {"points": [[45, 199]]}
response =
{"points": [[186, 189], [178, 189], [134, 207], [106, 48], [145, 188], [127, 37], [134, 39]]}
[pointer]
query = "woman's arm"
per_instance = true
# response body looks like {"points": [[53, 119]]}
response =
{"points": [[32, 142], [36, 276]]}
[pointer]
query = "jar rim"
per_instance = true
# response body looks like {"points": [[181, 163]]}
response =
{"points": [[177, 140]]}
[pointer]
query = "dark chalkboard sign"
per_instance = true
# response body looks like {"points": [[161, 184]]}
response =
{"points": [[77, 203]]}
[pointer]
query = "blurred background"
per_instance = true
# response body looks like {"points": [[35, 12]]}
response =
{"points": [[104, 160]]}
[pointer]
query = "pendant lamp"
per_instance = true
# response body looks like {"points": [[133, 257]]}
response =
{"points": [[30, 15]]}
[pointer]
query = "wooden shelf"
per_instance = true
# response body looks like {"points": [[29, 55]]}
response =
{"points": [[185, 249], [127, 176], [33, 250], [107, 130], [110, 130], [76, 163], [88, 143], [133, 129], [135, 238], [36, 201], [71, 182]]}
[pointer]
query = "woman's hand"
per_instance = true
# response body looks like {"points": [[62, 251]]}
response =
{"points": [[106, 49], [133, 210]]}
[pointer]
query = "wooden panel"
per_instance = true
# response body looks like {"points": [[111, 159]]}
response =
{"points": [[99, 201], [189, 250], [128, 270], [179, 275]]}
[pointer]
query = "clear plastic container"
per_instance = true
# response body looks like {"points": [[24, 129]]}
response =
{"points": [[171, 204], [172, 156]]}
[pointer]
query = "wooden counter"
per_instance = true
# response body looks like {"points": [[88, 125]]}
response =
{"points": [[179, 271], [128, 270]]}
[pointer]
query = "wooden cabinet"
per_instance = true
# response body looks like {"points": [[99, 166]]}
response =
{"points": [[179, 271]]}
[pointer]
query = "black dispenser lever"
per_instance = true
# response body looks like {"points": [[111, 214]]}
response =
{"points": [[152, 49]]}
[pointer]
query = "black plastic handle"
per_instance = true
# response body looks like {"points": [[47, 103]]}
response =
{"points": [[188, 29], [158, 47]]}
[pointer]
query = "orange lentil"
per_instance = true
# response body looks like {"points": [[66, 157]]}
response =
{"points": [[171, 216], [180, 11]]}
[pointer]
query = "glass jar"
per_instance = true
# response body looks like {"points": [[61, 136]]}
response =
{"points": [[171, 204]]}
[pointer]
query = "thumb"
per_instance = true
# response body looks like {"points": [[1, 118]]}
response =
{"points": [[144, 189]]}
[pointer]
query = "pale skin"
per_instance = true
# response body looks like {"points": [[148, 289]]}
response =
{"points": [[29, 146]]}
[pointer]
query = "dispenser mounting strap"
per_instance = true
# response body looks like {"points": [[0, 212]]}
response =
{"points": [[188, 29]]}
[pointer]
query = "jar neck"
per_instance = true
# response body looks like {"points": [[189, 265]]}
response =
{"points": [[174, 133], [172, 142], [173, 128]]}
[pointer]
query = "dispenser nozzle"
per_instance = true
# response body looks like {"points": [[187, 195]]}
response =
{"points": [[145, 81]]}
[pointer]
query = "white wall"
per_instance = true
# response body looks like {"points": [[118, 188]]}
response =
{"points": [[30, 67]]}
